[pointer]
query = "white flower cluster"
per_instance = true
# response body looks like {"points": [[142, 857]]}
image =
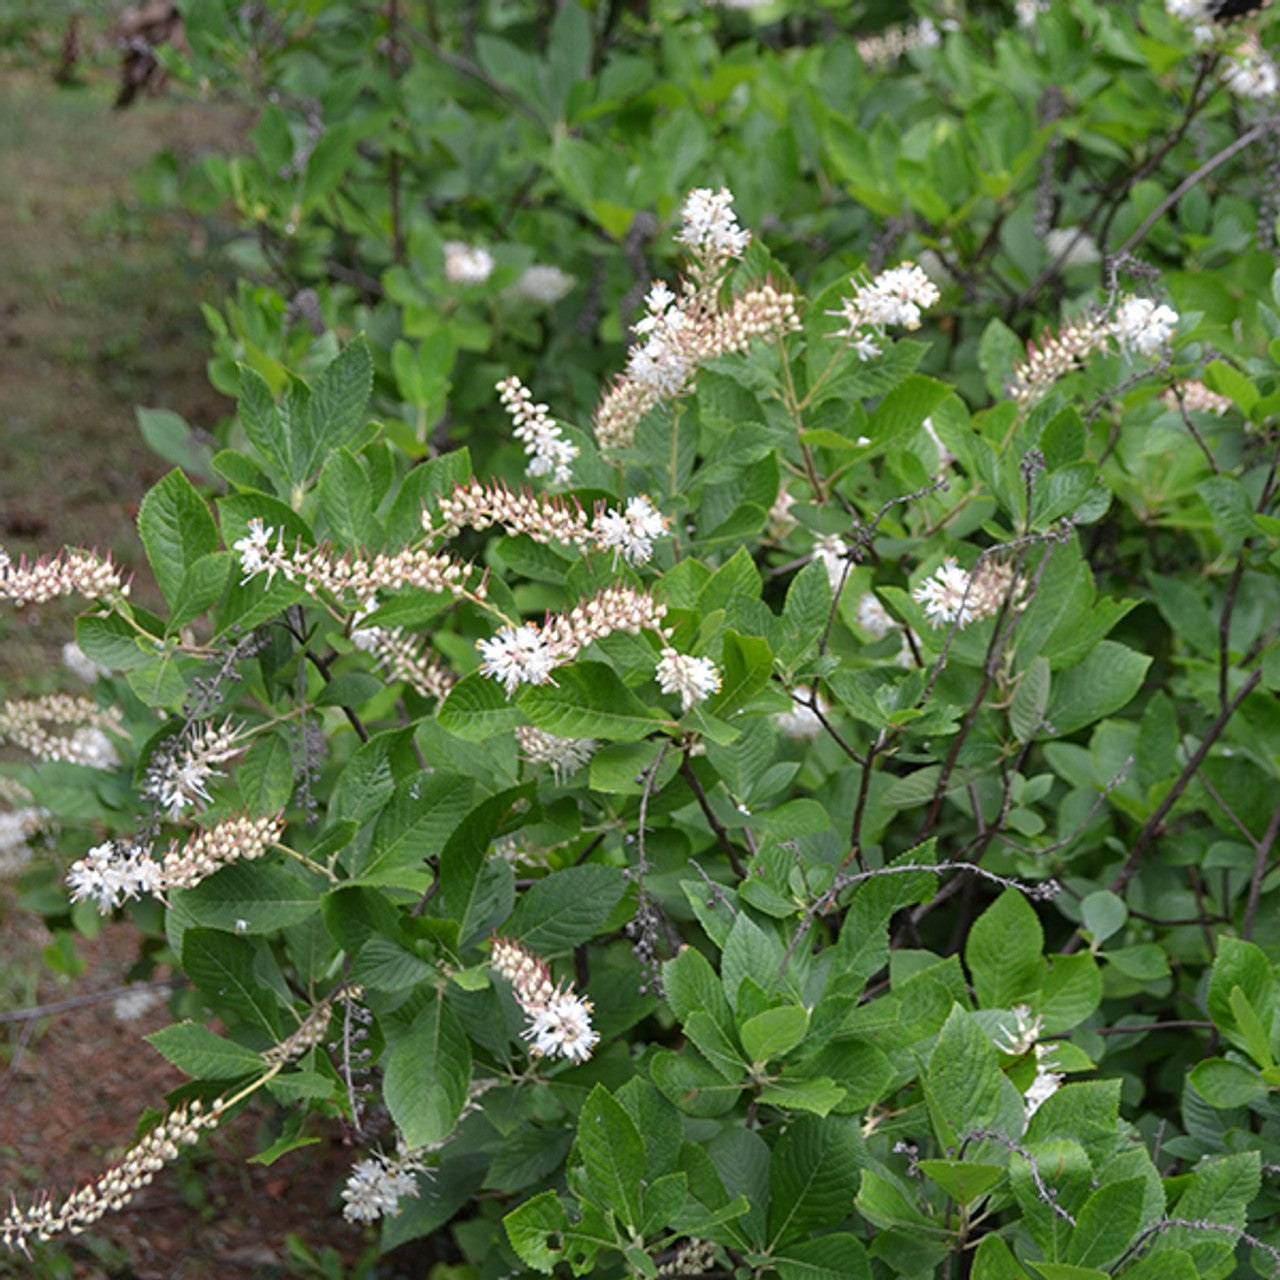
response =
{"points": [[1197, 398], [113, 872], [464, 264], [179, 774], [318, 571], [895, 297], [680, 331], [564, 755], [559, 1019], [400, 655], [1029, 10], [1023, 1039], [710, 231], [1143, 326], [802, 722], [527, 653], [517, 655], [876, 621], [630, 532], [830, 551], [67, 573], [1250, 72], [17, 826], [24, 722], [549, 452], [885, 49], [660, 364], [241, 839], [951, 595], [541, 283], [694, 679], [1075, 246], [377, 1184], [1056, 356], [136, 1000], [110, 1192], [81, 665]]}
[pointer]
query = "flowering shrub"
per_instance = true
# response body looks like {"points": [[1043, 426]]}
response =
{"points": [[818, 820]]}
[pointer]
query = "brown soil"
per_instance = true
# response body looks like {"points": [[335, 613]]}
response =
{"points": [[69, 1106], [98, 314]]}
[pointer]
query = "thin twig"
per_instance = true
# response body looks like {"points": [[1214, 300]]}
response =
{"points": [[1263, 855]]}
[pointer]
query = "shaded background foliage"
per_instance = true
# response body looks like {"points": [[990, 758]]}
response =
{"points": [[1115, 730]]}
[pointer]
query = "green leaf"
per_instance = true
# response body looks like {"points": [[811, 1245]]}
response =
{"points": [[1107, 1223], [807, 608], [566, 908], [664, 1199], [204, 1055], [1104, 682], [1003, 952], [201, 588], [747, 663], [1231, 508], [225, 968], [906, 407], [999, 350], [350, 689], [477, 709], [963, 1180], [468, 895], [716, 1044], [1072, 991], [168, 435], [1224, 1084], [588, 701], [993, 1260], [1068, 1271], [691, 983], [1161, 1264], [773, 1032], [612, 1154], [1251, 1028], [838, 1256], [346, 499], [813, 1176], [427, 1071], [884, 1204], [261, 421], [264, 778], [252, 898], [1061, 1167], [414, 825], [527, 1156], [1030, 699], [692, 1084], [177, 529], [335, 410], [367, 782], [1242, 964], [1104, 914], [964, 1085], [819, 1094], [533, 1227], [749, 952], [385, 965], [114, 642]]}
